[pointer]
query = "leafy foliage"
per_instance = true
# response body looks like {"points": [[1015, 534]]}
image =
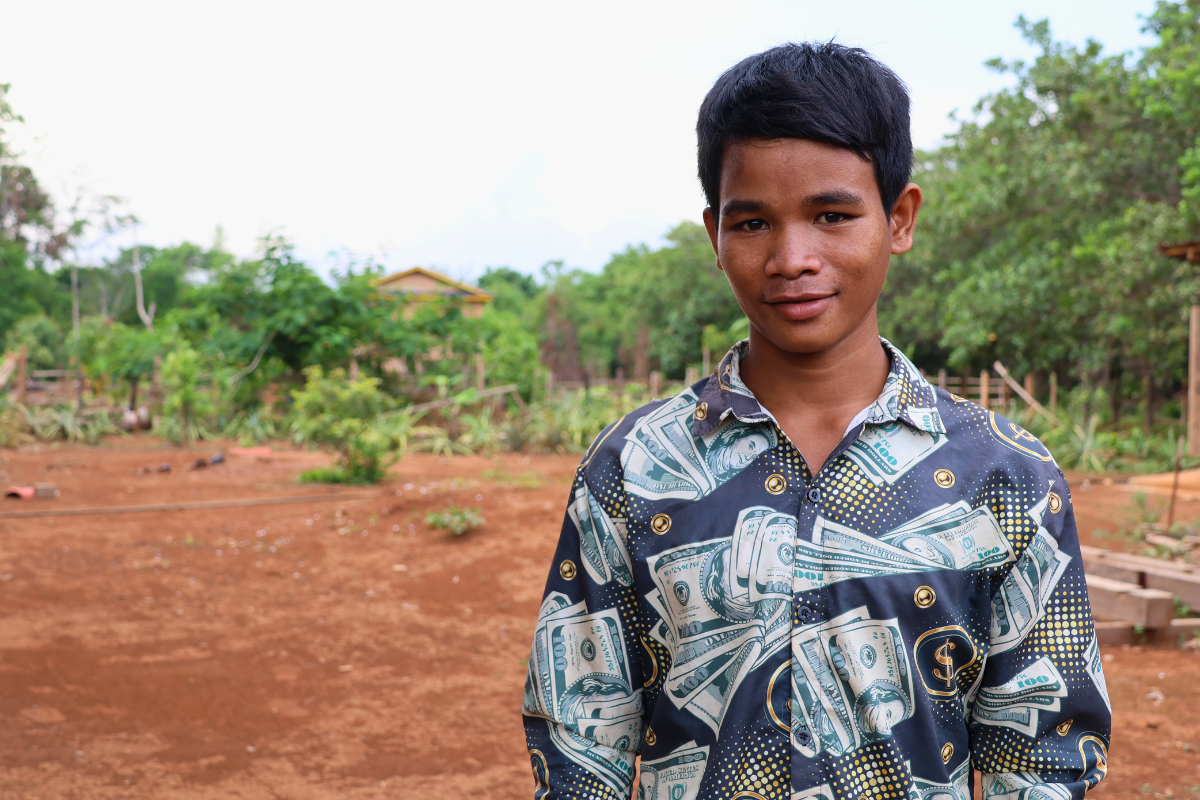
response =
{"points": [[455, 521], [340, 413], [188, 406], [1037, 243]]}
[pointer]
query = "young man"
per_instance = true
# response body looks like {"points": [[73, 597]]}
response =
{"points": [[812, 574]]}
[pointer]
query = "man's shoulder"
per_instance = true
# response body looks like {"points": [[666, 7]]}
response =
{"points": [[607, 447], [988, 440]]}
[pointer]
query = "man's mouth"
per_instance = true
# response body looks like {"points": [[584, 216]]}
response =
{"points": [[799, 306]]}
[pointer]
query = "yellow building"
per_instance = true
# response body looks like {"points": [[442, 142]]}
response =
{"points": [[422, 285]]}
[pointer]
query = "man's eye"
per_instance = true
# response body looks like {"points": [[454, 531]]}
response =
{"points": [[831, 217], [755, 225]]}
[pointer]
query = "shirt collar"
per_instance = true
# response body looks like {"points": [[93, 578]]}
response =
{"points": [[906, 397]]}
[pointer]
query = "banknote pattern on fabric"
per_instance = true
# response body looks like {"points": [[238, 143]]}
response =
{"points": [[913, 612]]}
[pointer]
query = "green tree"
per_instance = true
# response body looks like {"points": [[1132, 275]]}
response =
{"points": [[1037, 242]]}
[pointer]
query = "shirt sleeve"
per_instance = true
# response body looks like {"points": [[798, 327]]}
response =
{"points": [[1041, 716], [583, 707]]}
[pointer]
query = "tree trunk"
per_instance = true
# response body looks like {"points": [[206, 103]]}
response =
{"points": [[1114, 393], [133, 387], [1149, 380], [641, 356]]}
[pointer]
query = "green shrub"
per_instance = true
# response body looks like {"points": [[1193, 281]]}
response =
{"points": [[325, 475], [55, 423], [187, 407], [455, 521], [43, 340], [13, 432], [251, 427], [343, 414]]}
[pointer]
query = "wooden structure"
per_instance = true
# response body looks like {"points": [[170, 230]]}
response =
{"points": [[1190, 251], [1186, 251], [423, 285]]}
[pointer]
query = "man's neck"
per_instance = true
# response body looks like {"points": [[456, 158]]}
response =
{"points": [[814, 396]]}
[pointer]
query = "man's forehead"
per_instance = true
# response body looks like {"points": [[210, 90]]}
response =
{"points": [[754, 172]]}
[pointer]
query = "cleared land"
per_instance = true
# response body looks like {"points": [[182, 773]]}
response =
{"points": [[340, 648]]}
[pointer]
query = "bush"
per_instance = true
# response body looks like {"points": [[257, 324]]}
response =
{"points": [[456, 521], [187, 407], [342, 414], [43, 340], [251, 427], [12, 424]]}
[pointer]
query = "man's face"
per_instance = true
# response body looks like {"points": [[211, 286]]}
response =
{"points": [[804, 240]]}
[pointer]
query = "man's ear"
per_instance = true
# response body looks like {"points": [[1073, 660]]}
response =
{"points": [[710, 225], [904, 218]]}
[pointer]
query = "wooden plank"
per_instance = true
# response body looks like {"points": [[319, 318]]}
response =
{"points": [[1113, 570], [1193, 389], [1149, 608], [1146, 562], [1115, 633], [1185, 586], [1180, 631]]}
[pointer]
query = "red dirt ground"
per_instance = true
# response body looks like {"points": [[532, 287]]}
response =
{"points": [[175, 655]]}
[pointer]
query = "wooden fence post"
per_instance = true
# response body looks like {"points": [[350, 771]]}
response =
{"points": [[942, 379], [1193, 395], [620, 381], [706, 362], [983, 388], [479, 373], [1030, 385], [1054, 393], [22, 373], [689, 376], [654, 378]]}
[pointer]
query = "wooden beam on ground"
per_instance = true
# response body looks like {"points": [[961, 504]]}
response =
{"points": [[1128, 602], [1180, 580], [1112, 632], [1184, 585], [200, 504]]}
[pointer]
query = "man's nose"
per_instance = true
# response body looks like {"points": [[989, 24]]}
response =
{"points": [[794, 252]]}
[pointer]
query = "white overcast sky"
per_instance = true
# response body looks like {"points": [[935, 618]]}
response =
{"points": [[457, 135]]}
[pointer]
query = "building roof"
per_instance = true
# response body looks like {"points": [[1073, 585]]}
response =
{"points": [[426, 284], [1188, 251]]}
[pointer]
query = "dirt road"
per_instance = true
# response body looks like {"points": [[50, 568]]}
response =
{"points": [[338, 648]]}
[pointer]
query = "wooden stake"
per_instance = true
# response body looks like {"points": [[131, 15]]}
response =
{"points": [[654, 379], [1054, 393], [22, 373], [983, 388], [1030, 385], [942, 379], [1193, 395], [1175, 485]]}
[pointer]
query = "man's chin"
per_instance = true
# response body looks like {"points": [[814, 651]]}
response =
{"points": [[805, 343]]}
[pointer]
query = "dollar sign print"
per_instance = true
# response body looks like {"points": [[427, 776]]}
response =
{"points": [[942, 656]]}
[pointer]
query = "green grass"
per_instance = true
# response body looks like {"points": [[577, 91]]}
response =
{"points": [[455, 521]]}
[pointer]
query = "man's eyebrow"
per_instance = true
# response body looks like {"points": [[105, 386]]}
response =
{"points": [[741, 207], [834, 197]]}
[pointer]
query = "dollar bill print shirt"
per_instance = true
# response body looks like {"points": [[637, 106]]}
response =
{"points": [[914, 611]]}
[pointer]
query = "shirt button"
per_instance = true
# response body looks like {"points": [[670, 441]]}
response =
{"points": [[814, 495], [804, 614]]}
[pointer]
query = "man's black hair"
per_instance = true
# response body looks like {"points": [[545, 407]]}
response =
{"points": [[825, 92]]}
